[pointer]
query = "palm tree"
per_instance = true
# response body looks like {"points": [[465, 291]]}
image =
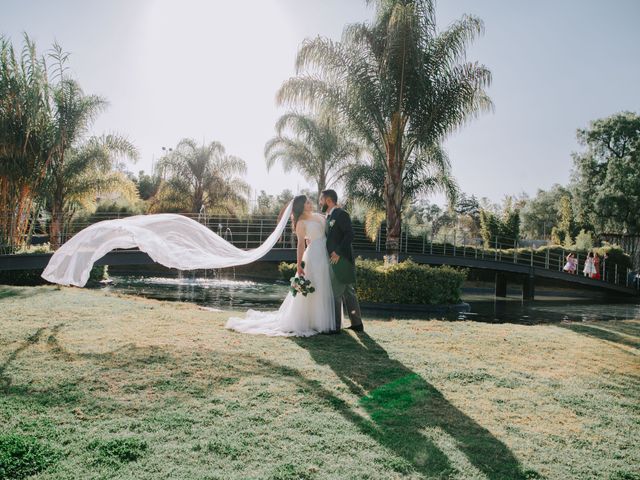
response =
{"points": [[201, 177], [401, 85], [25, 137], [319, 148], [86, 172], [73, 163]]}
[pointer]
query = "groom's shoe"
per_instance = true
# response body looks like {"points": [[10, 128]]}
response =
{"points": [[356, 328], [332, 332]]}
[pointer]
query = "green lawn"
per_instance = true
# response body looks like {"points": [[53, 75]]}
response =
{"points": [[105, 386]]}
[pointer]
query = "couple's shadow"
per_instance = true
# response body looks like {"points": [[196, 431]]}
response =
{"points": [[406, 414]]}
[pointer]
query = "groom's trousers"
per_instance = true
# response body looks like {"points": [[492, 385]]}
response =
{"points": [[353, 307]]}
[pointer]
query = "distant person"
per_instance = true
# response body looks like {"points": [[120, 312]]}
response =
{"points": [[589, 269], [596, 264], [572, 264]]}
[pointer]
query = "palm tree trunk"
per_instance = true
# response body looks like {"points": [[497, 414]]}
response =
{"points": [[198, 199], [322, 184], [21, 219], [57, 218], [393, 204], [55, 229], [34, 219]]}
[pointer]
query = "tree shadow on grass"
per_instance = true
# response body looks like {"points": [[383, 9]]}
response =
{"points": [[123, 357], [604, 332], [32, 339], [7, 291], [401, 405]]}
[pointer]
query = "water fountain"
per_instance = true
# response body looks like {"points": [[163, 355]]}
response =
{"points": [[227, 235]]}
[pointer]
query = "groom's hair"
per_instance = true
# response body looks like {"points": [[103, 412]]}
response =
{"points": [[330, 194]]}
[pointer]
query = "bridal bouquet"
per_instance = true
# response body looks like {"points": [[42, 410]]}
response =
{"points": [[301, 285]]}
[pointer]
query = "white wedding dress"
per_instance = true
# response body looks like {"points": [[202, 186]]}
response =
{"points": [[299, 316]]}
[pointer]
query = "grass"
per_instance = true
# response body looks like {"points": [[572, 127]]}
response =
{"points": [[110, 386]]}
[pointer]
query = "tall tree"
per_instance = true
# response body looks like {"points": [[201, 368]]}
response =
{"points": [[467, 209], [201, 178], [501, 230], [540, 213], [79, 167], [606, 176], [25, 137], [563, 232], [401, 85], [147, 184], [317, 146], [271, 204]]}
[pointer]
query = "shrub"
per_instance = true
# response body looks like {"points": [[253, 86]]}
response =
{"points": [[32, 277], [118, 450], [22, 456], [406, 282], [99, 273], [287, 270]]}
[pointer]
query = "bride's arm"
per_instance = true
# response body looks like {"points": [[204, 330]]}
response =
{"points": [[301, 247]]}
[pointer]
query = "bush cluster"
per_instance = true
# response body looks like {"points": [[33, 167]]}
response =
{"points": [[33, 277], [30, 278], [117, 451], [408, 283], [22, 456]]}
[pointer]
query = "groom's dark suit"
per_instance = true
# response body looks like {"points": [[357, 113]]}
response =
{"points": [[339, 238]]}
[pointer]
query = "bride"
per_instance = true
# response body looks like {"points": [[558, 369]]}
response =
{"points": [[300, 315], [179, 242]]}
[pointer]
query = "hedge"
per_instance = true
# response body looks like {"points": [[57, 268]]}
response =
{"points": [[404, 283], [33, 276]]}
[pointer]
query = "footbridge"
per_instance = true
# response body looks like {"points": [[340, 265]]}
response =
{"points": [[505, 258]]}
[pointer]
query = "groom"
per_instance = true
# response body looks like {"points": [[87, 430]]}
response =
{"points": [[339, 237]]}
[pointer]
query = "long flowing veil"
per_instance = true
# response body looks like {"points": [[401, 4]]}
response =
{"points": [[172, 240]]}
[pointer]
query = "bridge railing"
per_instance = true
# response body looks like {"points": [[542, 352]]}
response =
{"points": [[252, 231]]}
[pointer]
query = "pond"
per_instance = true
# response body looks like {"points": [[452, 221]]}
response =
{"points": [[229, 294]]}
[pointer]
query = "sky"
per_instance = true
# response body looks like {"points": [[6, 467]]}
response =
{"points": [[209, 70]]}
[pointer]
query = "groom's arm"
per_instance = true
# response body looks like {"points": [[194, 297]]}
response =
{"points": [[344, 247]]}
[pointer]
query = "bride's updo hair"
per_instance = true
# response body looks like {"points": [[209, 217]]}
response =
{"points": [[298, 208]]}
